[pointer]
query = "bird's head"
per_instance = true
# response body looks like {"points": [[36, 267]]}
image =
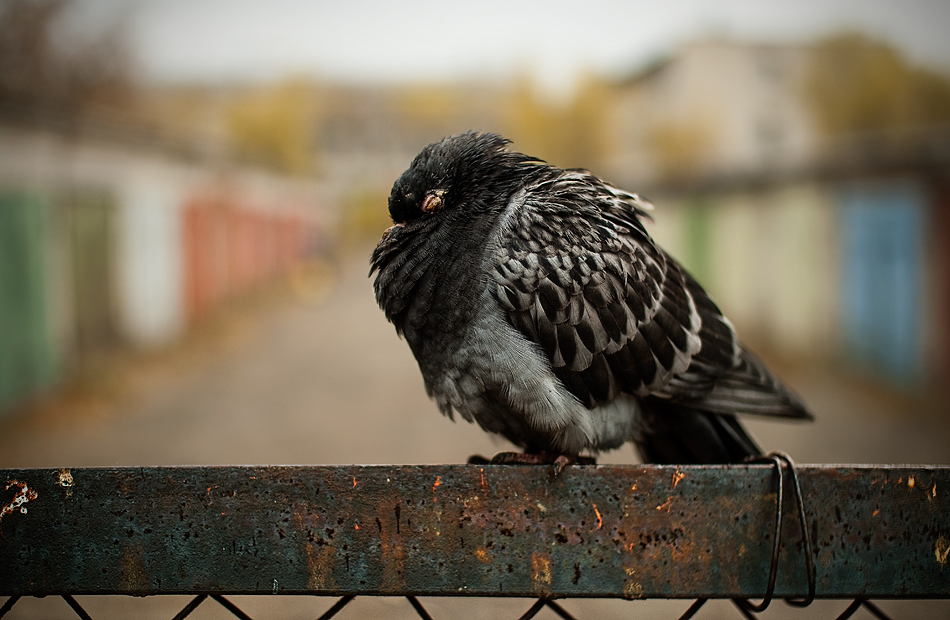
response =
{"points": [[471, 171], [439, 208]]}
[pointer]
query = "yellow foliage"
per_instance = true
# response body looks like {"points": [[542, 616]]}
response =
{"points": [[429, 105], [681, 147], [858, 84], [365, 213], [568, 135], [275, 125]]}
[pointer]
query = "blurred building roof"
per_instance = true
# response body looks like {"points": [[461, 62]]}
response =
{"points": [[714, 108], [724, 113]]}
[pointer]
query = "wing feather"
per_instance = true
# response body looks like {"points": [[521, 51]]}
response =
{"points": [[577, 274]]}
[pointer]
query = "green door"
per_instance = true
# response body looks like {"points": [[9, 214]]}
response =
{"points": [[91, 248], [28, 360]]}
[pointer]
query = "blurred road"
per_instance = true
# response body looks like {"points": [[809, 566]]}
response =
{"points": [[322, 378]]}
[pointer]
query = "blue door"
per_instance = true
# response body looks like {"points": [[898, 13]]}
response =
{"points": [[883, 226]]}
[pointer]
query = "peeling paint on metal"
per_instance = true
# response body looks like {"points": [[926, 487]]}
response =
{"points": [[19, 501], [677, 476], [632, 589], [66, 481], [942, 550]]}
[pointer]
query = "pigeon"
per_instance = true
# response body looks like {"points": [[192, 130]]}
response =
{"points": [[538, 306]]}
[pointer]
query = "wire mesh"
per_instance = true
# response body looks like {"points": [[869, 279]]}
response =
{"points": [[421, 611]]}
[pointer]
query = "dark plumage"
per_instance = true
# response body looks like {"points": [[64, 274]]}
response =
{"points": [[538, 306]]}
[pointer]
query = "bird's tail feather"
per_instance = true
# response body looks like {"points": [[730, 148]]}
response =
{"points": [[677, 435]]}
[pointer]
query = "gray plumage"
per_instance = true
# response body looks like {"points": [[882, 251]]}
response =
{"points": [[538, 306]]}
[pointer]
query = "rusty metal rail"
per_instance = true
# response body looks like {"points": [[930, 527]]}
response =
{"points": [[596, 531]]}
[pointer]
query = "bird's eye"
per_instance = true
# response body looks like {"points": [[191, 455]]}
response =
{"points": [[433, 201]]}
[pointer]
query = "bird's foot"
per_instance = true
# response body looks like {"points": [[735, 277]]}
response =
{"points": [[560, 461]]}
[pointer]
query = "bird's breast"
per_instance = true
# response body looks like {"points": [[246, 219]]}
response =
{"points": [[492, 375]]}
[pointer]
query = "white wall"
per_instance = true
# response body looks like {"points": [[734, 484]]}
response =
{"points": [[149, 265]]}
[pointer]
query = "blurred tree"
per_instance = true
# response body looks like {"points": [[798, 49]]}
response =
{"points": [[857, 84], [365, 214], [681, 147], [192, 112], [39, 64], [585, 128], [428, 112], [529, 122], [275, 125], [573, 134], [429, 108]]}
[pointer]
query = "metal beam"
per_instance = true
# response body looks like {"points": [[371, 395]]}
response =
{"points": [[596, 531]]}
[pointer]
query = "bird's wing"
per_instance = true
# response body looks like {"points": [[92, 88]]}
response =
{"points": [[576, 272]]}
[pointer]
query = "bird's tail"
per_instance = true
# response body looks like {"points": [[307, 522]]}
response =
{"points": [[677, 435]]}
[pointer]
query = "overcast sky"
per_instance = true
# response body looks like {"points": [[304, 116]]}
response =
{"points": [[372, 40]]}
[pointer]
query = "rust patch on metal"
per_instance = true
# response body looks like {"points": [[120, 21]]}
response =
{"points": [[393, 560], [677, 476], [666, 505], [133, 578], [541, 572], [435, 486], [19, 501], [942, 550], [481, 554], [911, 482], [320, 567], [600, 520]]}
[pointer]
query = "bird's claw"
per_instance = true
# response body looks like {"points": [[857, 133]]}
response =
{"points": [[559, 464], [559, 461], [564, 460]]}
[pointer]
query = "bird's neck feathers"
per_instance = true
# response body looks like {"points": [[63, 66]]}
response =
{"points": [[429, 274]]}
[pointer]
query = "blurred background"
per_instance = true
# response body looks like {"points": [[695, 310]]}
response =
{"points": [[189, 193]]}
